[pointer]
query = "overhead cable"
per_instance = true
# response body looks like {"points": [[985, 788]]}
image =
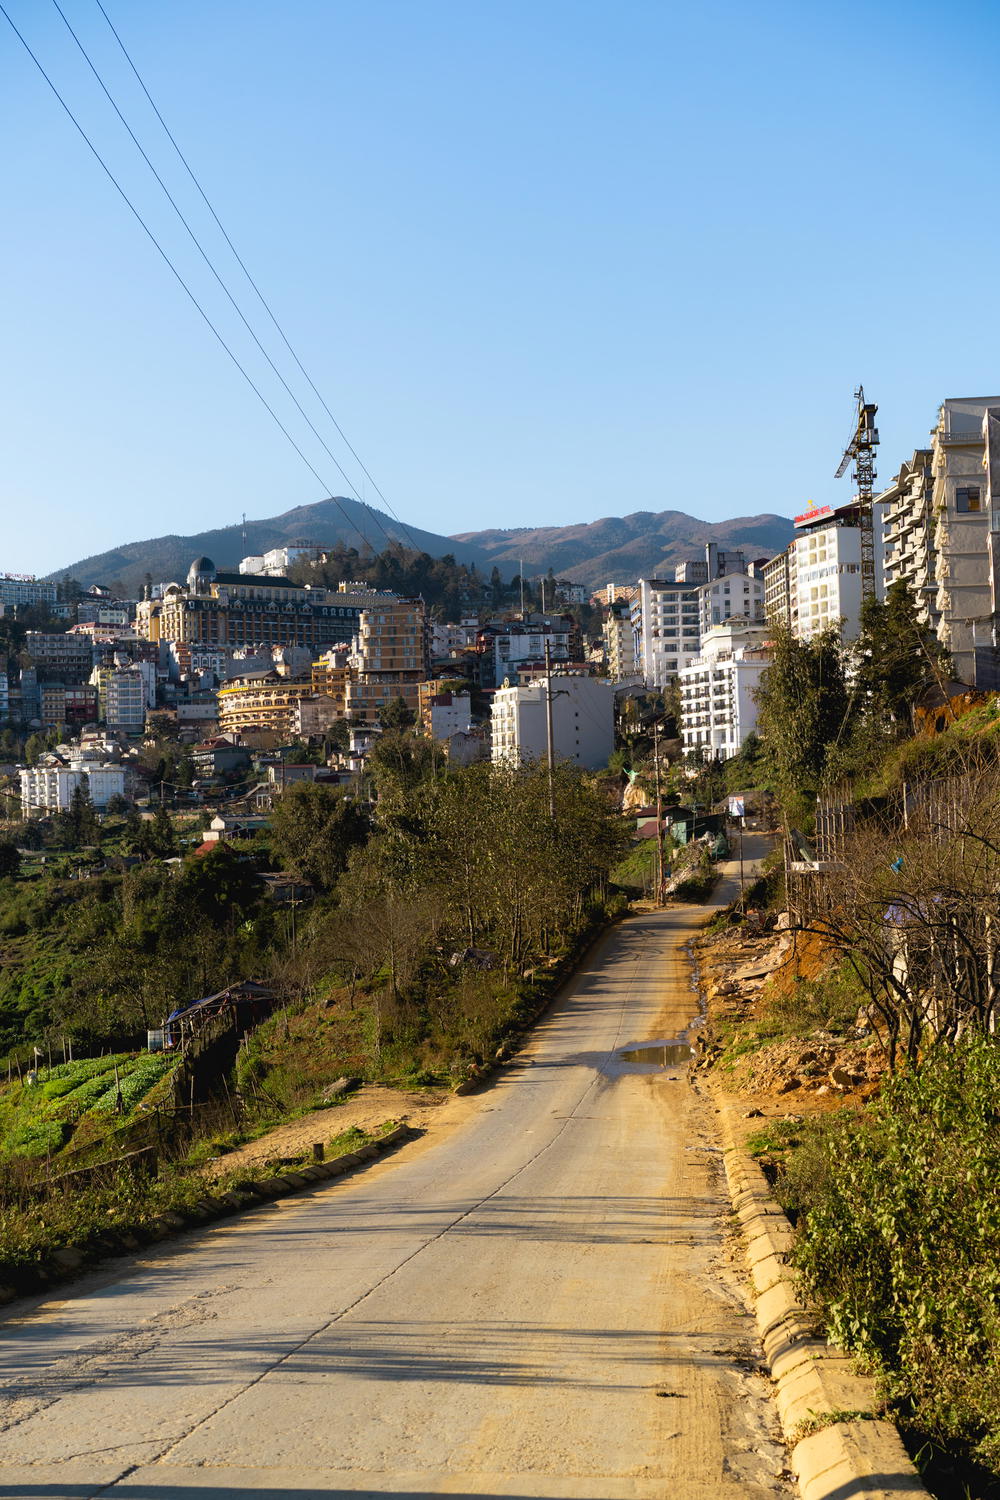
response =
{"points": [[242, 265], [177, 275], [209, 263]]}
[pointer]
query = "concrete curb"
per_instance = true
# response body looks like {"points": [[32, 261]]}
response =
{"points": [[65, 1264], [859, 1457]]}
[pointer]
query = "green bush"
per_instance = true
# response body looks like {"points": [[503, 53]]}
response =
{"points": [[900, 1242], [829, 1003]]}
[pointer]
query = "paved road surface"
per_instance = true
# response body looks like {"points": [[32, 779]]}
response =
{"points": [[533, 1301]]}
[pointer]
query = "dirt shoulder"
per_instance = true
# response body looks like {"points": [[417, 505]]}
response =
{"points": [[367, 1108]]}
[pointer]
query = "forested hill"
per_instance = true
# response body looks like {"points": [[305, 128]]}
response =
{"points": [[167, 558], [644, 544]]}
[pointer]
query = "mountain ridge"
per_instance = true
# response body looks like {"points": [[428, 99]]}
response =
{"points": [[643, 544]]}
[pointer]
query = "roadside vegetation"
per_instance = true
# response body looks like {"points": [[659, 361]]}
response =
{"points": [[441, 918], [877, 1028]]}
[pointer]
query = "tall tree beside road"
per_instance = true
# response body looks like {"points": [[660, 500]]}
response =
{"points": [[803, 706]]}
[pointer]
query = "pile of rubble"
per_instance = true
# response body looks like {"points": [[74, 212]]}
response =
{"points": [[740, 971]]}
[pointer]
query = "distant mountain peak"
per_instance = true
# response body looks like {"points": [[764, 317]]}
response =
{"points": [[642, 544]]}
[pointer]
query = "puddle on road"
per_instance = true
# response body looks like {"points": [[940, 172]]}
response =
{"points": [[660, 1054]]}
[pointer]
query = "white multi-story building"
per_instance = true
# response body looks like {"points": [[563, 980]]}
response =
{"points": [[941, 535], [514, 647], [25, 588], [669, 616], [718, 706], [619, 642], [825, 576], [445, 714], [966, 504], [125, 699], [666, 624], [52, 787], [735, 596], [907, 544], [815, 584], [583, 721]]}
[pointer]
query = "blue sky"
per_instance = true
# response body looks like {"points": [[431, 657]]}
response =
{"points": [[546, 261]]}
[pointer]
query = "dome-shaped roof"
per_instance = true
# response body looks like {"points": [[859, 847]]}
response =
{"points": [[201, 571]]}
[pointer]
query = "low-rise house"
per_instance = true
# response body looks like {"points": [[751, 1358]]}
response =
{"points": [[225, 827]]}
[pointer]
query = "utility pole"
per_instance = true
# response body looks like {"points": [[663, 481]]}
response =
{"points": [[742, 888], [520, 579], [659, 815], [549, 736]]}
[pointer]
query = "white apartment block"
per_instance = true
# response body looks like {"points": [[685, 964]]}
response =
{"points": [[278, 559], [908, 524], [52, 787], [448, 714], [669, 616], [777, 589], [815, 584], [666, 624], [825, 579], [966, 504], [718, 706], [25, 588], [736, 596], [619, 642], [512, 648], [583, 722], [941, 535], [125, 702]]}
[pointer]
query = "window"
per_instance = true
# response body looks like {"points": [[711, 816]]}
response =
{"points": [[967, 500]]}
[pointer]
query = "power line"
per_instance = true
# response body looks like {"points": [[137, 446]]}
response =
{"points": [[209, 263], [242, 265], [177, 275]]}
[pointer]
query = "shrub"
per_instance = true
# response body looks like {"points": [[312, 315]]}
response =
{"points": [[901, 1242]]}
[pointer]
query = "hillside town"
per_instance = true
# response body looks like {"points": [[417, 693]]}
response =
{"points": [[245, 669]]}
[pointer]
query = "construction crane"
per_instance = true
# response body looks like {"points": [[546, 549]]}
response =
{"points": [[861, 449]]}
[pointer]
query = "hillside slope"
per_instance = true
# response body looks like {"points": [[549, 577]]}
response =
{"points": [[622, 548], [641, 545], [168, 558]]}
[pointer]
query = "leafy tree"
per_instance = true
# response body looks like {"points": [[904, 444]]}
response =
{"points": [[156, 838], [117, 805], [82, 817], [313, 830], [338, 736], [398, 762], [895, 659], [748, 767], [10, 860], [34, 748], [803, 706], [219, 885], [396, 715]]}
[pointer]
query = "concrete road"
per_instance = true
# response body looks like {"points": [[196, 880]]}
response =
{"points": [[533, 1301]]}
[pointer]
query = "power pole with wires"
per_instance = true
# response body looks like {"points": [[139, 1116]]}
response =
{"points": [[659, 816], [549, 735]]}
